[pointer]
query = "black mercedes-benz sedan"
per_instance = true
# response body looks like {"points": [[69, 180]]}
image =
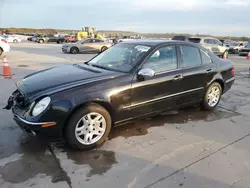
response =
{"points": [[82, 102]]}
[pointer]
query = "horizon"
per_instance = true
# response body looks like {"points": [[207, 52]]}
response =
{"points": [[205, 17]]}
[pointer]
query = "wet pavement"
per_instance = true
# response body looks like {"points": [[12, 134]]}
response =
{"points": [[182, 148]]}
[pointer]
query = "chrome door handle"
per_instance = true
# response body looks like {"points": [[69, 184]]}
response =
{"points": [[178, 77], [209, 71]]}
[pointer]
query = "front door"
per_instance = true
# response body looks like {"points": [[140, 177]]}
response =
{"points": [[198, 70], [160, 91]]}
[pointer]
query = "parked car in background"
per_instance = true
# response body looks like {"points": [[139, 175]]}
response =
{"points": [[86, 45], [212, 44], [12, 38], [236, 46], [226, 43], [244, 51], [50, 38], [181, 38], [4, 46], [33, 38], [140, 78], [70, 38]]}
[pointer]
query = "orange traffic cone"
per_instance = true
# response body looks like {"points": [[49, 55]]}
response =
{"points": [[6, 68], [248, 56], [224, 56]]}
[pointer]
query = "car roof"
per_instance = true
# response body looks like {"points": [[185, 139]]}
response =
{"points": [[154, 43], [204, 37]]}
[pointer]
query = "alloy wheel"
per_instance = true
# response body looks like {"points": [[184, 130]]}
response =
{"points": [[90, 128], [213, 96]]}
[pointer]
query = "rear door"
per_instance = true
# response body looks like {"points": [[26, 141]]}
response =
{"points": [[198, 70], [85, 45], [97, 45]]}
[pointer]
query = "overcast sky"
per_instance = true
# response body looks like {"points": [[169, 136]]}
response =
{"points": [[217, 17]]}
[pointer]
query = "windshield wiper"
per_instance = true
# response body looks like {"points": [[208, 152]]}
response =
{"points": [[101, 67]]}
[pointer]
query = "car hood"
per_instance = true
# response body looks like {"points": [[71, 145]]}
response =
{"points": [[56, 79]]}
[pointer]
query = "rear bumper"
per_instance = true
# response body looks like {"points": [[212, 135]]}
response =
{"points": [[243, 53]]}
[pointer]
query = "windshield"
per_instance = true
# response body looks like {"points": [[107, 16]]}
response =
{"points": [[247, 46], [121, 57]]}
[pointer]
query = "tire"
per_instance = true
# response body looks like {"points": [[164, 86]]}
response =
{"points": [[207, 104], [41, 41], [104, 48], [76, 120], [15, 41], [74, 50], [1, 51]]}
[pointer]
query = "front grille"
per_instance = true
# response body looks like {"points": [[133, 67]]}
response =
{"points": [[20, 100]]}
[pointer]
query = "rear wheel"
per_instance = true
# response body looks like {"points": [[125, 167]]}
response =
{"points": [[88, 127], [212, 96], [41, 41], [104, 48], [15, 41], [74, 50], [1, 51]]}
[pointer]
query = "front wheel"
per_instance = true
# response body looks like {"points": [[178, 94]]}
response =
{"points": [[212, 96], [74, 50], [41, 41], [88, 127], [15, 41], [1, 51]]}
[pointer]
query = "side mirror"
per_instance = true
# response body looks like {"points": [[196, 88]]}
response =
{"points": [[145, 73]]}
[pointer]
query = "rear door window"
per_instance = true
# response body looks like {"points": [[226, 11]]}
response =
{"points": [[98, 40], [206, 59], [190, 56]]}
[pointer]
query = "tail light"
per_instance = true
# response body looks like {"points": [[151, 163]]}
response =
{"points": [[232, 71], [4, 40]]}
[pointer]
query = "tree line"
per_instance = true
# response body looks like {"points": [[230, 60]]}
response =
{"points": [[112, 33]]}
